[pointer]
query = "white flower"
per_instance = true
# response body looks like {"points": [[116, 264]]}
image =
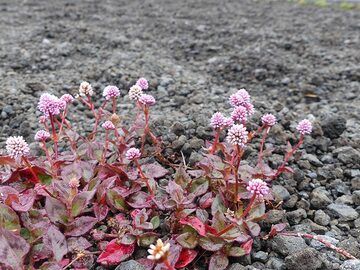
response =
{"points": [[158, 251], [85, 89]]}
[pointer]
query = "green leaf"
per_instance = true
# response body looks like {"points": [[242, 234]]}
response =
{"points": [[80, 202], [218, 261], [147, 239], [257, 211], [211, 243], [116, 200], [199, 186], [217, 205], [236, 252], [155, 222], [45, 179], [187, 240], [9, 220]]}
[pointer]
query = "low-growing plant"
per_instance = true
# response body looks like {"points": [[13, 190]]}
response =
{"points": [[98, 198]]}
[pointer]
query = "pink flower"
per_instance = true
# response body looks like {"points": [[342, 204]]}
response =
{"points": [[268, 120], [133, 153], [258, 187], [110, 92], [239, 114], [143, 83], [249, 108], [228, 122], [16, 147], [42, 136], [237, 135], [148, 100], [67, 98], [304, 127], [135, 92], [108, 125], [85, 89], [50, 104], [217, 120], [42, 119], [74, 183], [240, 98]]}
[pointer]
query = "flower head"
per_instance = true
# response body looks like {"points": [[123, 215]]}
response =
{"points": [[258, 187], [239, 114], [85, 89], [240, 98], [110, 92], [41, 135], [158, 251], [228, 122], [16, 147], [304, 127], [237, 135], [147, 100], [133, 153], [143, 83], [74, 183], [217, 120], [135, 92], [67, 98], [108, 125], [50, 104], [249, 108], [268, 120]]}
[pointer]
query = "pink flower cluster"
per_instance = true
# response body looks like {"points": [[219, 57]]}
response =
{"points": [[239, 114], [242, 106], [50, 104], [67, 98], [143, 83], [146, 99], [240, 98], [237, 135], [218, 120], [268, 120], [258, 188], [108, 125], [111, 92], [85, 89], [41, 136], [16, 147], [133, 153], [135, 92], [304, 127]]}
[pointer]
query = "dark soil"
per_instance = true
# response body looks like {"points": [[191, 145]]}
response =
{"points": [[296, 61]]}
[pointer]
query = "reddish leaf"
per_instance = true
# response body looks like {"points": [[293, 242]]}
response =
{"points": [[211, 243], [13, 249], [76, 243], [187, 240], [113, 168], [55, 210], [186, 257], [275, 229], [8, 218], [140, 200], [56, 241], [81, 225], [6, 160], [210, 229], [206, 200], [80, 202], [25, 201], [247, 246], [199, 186], [101, 211], [115, 253], [154, 170], [218, 261], [148, 264], [195, 223]]}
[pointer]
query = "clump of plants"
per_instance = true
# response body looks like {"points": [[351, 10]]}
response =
{"points": [[98, 199]]}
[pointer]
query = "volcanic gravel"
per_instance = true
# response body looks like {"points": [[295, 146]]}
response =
{"points": [[297, 61]]}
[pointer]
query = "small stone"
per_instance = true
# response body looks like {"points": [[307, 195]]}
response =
{"points": [[356, 197], [236, 266], [345, 199], [333, 126], [305, 259], [321, 218], [347, 155], [275, 263], [177, 144], [260, 256], [294, 217], [318, 245], [194, 158], [8, 110], [351, 245], [350, 265], [196, 143], [313, 160], [178, 128], [280, 193], [319, 198], [130, 265], [275, 216], [286, 245], [343, 212], [355, 183]]}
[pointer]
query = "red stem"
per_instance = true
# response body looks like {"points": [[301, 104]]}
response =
{"points": [[249, 206], [226, 229], [287, 157], [236, 171], [321, 240], [105, 147], [266, 132], [114, 105], [168, 265], [216, 141], [55, 138], [142, 175]]}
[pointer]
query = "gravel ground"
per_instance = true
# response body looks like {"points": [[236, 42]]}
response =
{"points": [[296, 61]]}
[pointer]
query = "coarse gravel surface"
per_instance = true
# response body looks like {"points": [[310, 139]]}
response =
{"points": [[297, 61]]}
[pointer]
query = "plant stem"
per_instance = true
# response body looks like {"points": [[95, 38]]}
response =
{"points": [[168, 265], [114, 105], [321, 240], [249, 206], [216, 141], [54, 135], [236, 172], [226, 229], [287, 157], [105, 147], [142, 175], [260, 159]]}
